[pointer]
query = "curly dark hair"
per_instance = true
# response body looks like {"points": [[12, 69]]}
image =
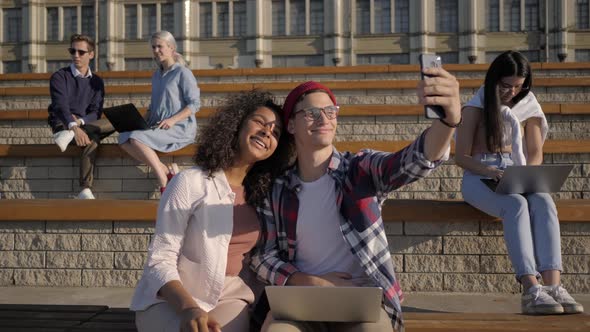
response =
{"points": [[218, 143]]}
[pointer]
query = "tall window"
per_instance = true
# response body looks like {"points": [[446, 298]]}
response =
{"points": [[382, 10], [297, 17], [11, 67], [52, 24], [582, 55], [531, 15], [54, 65], [512, 15], [449, 57], [582, 11], [142, 20], [531, 55], [382, 59], [139, 64], [88, 20], [12, 25], [70, 18], [240, 19], [148, 20], [222, 19], [493, 15], [402, 16], [206, 19], [297, 60], [447, 16], [302, 20], [131, 21], [167, 18], [316, 17], [363, 17], [278, 18]]}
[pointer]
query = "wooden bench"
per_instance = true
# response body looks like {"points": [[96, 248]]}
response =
{"points": [[65, 318], [77, 318], [394, 210], [114, 151], [342, 85], [494, 322], [345, 110]]}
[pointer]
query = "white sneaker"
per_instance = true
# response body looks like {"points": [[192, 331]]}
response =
{"points": [[63, 138], [86, 193], [561, 296], [536, 301]]}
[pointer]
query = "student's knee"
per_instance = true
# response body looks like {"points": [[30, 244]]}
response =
{"points": [[285, 326], [272, 325], [515, 205]]}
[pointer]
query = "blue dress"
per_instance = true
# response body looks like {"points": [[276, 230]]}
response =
{"points": [[172, 91]]}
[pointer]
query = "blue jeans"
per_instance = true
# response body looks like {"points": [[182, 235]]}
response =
{"points": [[531, 227]]}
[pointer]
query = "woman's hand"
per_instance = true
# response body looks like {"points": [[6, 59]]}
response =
{"points": [[167, 123], [196, 319], [494, 173]]}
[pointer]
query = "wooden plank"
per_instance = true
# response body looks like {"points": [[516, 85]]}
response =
{"points": [[52, 307], [394, 210], [573, 109], [77, 210]]}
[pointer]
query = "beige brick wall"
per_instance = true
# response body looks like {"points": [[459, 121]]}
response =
{"points": [[125, 179], [429, 256]]}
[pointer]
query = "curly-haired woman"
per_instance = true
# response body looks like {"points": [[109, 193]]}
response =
{"points": [[193, 279]]}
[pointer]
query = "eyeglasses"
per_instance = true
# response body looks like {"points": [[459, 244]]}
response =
{"points": [[74, 51], [314, 113]]}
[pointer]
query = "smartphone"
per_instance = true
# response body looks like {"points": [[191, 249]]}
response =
{"points": [[430, 61]]}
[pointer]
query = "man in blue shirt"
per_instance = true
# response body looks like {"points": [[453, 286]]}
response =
{"points": [[77, 97]]}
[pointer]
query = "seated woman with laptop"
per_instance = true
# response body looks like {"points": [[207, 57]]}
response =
{"points": [[174, 102], [504, 125]]}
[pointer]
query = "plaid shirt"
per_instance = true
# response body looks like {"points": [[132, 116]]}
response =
{"points": [[362, 182]]}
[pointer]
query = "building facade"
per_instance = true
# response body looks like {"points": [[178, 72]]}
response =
{"points": [[285, 33]]}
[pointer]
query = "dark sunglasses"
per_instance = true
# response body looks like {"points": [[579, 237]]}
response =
{"points": [[80, 52]]}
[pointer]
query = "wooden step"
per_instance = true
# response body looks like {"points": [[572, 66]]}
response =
{"points": [[394, 210]]}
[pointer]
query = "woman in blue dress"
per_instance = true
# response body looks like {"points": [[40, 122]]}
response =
{"points": [[171, 114]]}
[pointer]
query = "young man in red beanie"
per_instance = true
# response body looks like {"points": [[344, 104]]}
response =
{"points": [[323, 224]]}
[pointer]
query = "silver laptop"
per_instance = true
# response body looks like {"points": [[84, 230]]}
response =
{"points": [[325, 304], [530, 179]]}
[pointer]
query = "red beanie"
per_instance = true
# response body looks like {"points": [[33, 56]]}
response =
{"points": [[296, 93]]}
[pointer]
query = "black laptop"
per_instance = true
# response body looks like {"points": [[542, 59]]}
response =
{"points": [[530, 179], [125, 118]]}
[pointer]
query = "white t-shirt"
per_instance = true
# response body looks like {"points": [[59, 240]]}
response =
{"points": [[320, 246]]}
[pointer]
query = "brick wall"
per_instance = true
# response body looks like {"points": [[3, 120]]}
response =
{"points": [[123, 178], [429, 256]]}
